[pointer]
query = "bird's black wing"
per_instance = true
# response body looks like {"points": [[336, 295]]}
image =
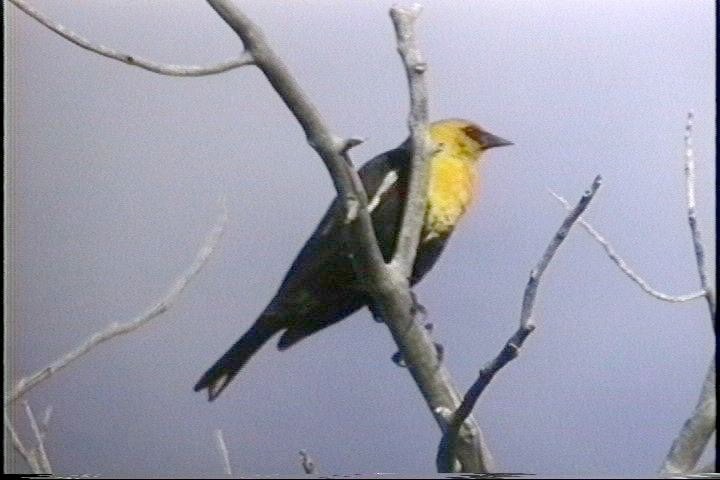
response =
{"points": [[322, 255]]}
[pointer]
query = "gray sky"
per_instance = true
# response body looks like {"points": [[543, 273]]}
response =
{"points": [[114, 176]]}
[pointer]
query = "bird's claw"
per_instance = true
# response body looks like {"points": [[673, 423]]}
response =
{"points": [[417, 308], [375, 314], [439, 351], [399, 360]]}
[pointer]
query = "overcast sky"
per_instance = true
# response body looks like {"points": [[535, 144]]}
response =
{"points": [[113, 180]]}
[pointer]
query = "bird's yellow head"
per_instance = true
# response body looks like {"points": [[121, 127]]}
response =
{"points": [[464, 139], [452, 172]]}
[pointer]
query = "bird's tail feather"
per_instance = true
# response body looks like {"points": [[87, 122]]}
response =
{"points": [[224, 370]]}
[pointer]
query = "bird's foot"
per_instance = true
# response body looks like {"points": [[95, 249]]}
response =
{"points": [[439, 351], [375, 314], [417, 309], [399, 360]]}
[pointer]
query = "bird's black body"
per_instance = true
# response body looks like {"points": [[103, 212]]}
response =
{"points": [[320, 287]]}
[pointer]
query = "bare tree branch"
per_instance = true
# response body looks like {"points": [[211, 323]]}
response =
{"points": [[117, 329], [707, 468], [45, 420], [332, 149], [415, 67], [622, 264], [307, 463], [690, 443], [43, 459], [223, 451], [27, 454], [161, 68], [388, 287], [414, 342], [446, 450], [692, 220]]}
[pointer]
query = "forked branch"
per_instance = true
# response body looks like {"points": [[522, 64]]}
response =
{"points": [[695, 433], [448, 444], [387, 285]]}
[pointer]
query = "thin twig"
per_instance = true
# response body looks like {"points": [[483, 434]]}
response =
{"points": [[622, 264], [223, 451], [385, 185], [692, 220], [307, 463], [415, 205], [43, 459], [117, 329], [161, 68], [446, 451], [45, 420]]}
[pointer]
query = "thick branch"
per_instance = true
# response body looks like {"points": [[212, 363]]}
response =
{"points": [[388, 287], [307, 463], [117, 329], [161, 68], [415, 67], [696, 432], [332, 150], [448, 444], [414, 342]]}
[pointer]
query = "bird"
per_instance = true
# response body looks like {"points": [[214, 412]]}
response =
{"points": [[320, 288]]}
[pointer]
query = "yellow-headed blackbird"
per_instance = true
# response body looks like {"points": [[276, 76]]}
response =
{"points": [[320, 288]]}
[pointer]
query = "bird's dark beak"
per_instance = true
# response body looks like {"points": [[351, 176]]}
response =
{"points": [[490, 141]]}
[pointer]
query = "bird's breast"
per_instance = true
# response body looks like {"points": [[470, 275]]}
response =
{"points": [[450, 191]]}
